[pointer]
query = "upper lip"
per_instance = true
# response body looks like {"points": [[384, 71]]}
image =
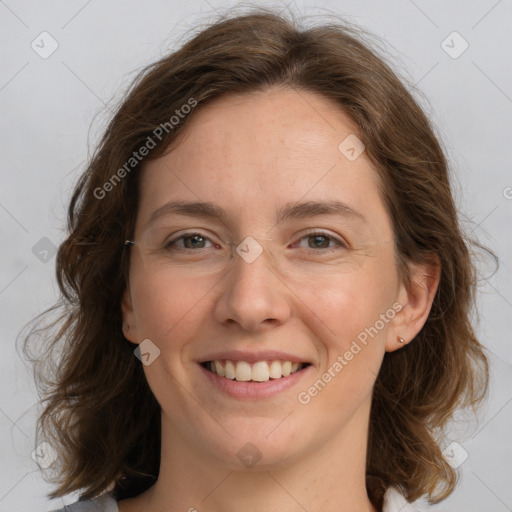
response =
{"points": [[253, 357]]}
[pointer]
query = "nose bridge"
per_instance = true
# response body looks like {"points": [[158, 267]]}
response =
{"points": [[253, 292], [253, 262], [251, 247]]}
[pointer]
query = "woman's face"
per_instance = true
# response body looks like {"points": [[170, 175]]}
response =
{"points": [[277, 294]]}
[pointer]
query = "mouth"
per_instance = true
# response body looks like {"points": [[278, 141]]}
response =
{"points": [[258, 371]]}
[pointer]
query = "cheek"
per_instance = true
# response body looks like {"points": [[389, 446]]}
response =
{"points": [[166, 307], [353, 311], [357, 311], [170, 313], [355, 300], [352, 347]]}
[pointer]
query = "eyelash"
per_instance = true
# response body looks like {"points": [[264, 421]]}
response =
{"points": [[340, 243]]}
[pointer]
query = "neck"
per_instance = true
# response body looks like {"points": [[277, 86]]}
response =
{"points": [[331, 478]]}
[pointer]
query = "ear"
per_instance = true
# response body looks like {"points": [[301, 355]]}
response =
{"points": [[129, 317], [416, 298]]}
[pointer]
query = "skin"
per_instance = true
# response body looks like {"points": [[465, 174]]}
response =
{"points": [[250, 154]]}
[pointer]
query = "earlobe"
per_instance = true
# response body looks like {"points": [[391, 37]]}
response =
{"points": [[129, 320], [416, 298]]}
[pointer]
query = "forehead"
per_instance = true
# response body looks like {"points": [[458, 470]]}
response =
{"points": [[270, 125], [253, 152]]}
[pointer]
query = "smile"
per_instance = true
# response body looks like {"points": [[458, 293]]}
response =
{"points": [[259, 371]]}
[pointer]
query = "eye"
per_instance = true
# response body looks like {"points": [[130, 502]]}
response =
{"points": [[317, 240], [322, 241], [190, 241]]}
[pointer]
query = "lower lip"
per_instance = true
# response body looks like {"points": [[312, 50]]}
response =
{"points": [[254, 390]]}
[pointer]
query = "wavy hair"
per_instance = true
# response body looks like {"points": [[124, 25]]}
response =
{"points": [[91, 385]]}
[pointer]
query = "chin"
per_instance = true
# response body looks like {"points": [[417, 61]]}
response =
{"points": [[252, 446]]}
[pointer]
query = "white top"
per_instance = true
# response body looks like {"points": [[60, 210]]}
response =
{"points": [[394, 501]]}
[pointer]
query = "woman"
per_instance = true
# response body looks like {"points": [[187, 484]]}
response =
{"points": [[266, 289]]}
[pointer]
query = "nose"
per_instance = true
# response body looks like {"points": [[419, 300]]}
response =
{"points": [[253, 295]]}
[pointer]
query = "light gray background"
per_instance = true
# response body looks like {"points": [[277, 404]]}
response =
{"points": [[48, 106]]}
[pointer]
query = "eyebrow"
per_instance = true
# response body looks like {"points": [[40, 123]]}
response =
{"points": [[289, 211]]}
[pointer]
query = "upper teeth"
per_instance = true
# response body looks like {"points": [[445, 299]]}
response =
{"points": [[260, 371]]}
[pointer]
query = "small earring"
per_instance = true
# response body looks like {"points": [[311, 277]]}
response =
{"points": [[401, 340]]}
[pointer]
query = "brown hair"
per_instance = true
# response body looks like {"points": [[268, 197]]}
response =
{"points": [[98, 388]]}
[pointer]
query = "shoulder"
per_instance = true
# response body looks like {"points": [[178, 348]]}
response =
{"points": [[103, 503], [394, 501]]}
